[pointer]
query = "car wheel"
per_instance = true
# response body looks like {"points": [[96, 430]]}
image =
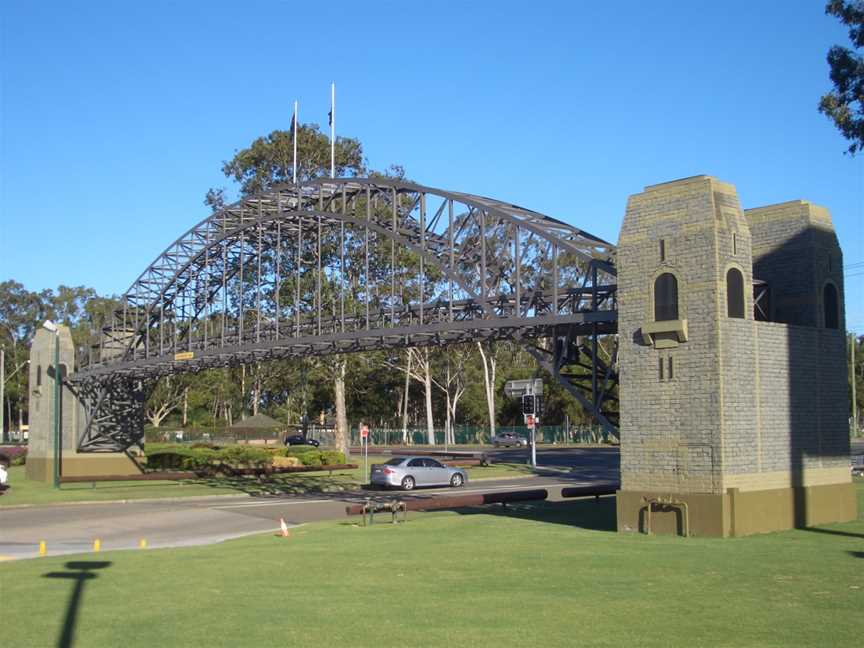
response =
{"points": [[457, 480], [408, 483]]}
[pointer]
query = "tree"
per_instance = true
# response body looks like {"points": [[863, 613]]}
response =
{"points": [[844, 105], [489, 356], [269, 161], [164, 399], [453, 385], [419, 367]]}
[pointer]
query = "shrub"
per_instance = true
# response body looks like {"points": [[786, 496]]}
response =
{"points": [[208, 446], [332, 457], [286, 462], [245, 456], [169, 459], [14, 455], [200, 459], [293, 451], [310, 458]]}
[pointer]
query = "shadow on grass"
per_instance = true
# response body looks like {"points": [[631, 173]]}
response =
{"points": [[80, 572], [296, 484], [856, 554], [589, 513], [100, 486], [848, 534]]}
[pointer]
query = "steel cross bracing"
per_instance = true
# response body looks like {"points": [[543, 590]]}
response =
{"points": [[355, 264]]}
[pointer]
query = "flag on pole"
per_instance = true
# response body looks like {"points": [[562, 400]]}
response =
{"points": [[332, 119], [294, 125]]}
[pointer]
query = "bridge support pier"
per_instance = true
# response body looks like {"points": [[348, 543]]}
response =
{"points": [[736, 421], [73, 418]]}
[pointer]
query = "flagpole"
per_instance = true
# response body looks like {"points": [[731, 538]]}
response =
{"points": [[295, 142], [333, 130]]}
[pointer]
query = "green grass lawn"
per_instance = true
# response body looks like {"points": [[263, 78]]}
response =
{"points": [[24, 491], [542, 575]]}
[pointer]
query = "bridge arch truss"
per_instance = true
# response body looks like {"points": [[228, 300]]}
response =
{"points": [[354, 264]]}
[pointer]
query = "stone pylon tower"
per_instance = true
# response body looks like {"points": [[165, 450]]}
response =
{"points": [[733, 387], [40, 453]]}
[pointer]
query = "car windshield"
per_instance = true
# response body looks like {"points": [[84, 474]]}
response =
{"points": [[395, 461]]}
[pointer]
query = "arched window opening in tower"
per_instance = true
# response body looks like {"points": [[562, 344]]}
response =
{"points": [[735, 293], [665, 297]]}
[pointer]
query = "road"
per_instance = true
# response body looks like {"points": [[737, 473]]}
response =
{"points": [[73, 528]]}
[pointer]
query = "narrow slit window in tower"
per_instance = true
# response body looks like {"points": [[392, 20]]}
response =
{"points": [[830, 303], [660, 367], [671, 372], [662, 250]]}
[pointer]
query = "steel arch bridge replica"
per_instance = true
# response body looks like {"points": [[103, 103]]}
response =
{"points": [[355, 264], [730, 401]]}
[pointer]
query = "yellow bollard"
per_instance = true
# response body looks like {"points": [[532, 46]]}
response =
{"points": [[43, 549], [142, 544], [97, 545]]}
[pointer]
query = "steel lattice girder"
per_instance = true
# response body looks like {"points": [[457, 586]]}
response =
{"points": [[479, 269]]}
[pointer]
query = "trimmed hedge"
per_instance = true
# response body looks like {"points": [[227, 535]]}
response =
{"points": [[293, 451], [332, 458], [208, 459], [165, 456]]}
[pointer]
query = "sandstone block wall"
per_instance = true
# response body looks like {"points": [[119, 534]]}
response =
{"points": [[795, 249], [725, 407]]}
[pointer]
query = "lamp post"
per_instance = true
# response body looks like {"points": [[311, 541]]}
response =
{"points": [[2, 392], [51, 326], [3, 379]]}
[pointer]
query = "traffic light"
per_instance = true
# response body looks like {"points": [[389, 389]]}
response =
{"points": [[528, 404], [538, 404]]}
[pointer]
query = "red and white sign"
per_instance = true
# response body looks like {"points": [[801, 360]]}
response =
{"points": [[529, 421], [364, 432]]}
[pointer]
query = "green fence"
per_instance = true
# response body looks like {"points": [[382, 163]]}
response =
{"points": [[219, 436], [477, 435], [462, 434]]}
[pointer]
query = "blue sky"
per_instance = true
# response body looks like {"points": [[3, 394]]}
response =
{"points": [[116, 116]]}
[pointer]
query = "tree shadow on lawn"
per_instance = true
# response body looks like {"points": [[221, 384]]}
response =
{"points": [[848, 534], [589, 513], [283, 484], [856, 554]]}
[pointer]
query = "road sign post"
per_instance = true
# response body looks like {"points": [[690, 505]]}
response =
{"points": [[364, 439]]}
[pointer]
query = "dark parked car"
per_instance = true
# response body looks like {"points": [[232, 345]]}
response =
{"points": [[299, 439]]}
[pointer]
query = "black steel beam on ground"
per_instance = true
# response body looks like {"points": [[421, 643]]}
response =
{"points": [[595, 490], [462, 501]]}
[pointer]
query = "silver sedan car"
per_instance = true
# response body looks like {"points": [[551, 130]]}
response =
{"points": [[408, 472], [507, 439]]}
